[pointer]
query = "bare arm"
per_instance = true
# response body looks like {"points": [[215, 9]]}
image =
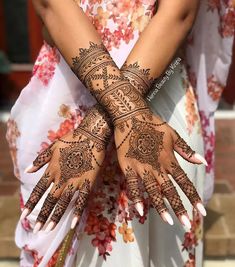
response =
{"points": [[70, 28]]}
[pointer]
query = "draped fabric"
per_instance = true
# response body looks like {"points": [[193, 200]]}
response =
{"points": [[54, 102]]}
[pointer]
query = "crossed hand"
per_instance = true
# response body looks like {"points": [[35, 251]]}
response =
{"points": [[145, 147]]}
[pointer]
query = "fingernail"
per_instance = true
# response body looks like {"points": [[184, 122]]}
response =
{"points": [[201, 209], [24, 214], [74, 222], [139, 207], [186, 221], [168, 217], [201, 158], [49, 227], [37, 227], [28, 168]]}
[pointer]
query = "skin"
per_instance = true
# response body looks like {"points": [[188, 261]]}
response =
{"points": [[180, 17]]}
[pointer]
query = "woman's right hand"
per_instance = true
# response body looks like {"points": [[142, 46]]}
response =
{"points": [[73, 164]]}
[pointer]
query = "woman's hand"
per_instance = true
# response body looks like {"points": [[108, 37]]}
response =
{"points": [[73, 164], [145, 149]]}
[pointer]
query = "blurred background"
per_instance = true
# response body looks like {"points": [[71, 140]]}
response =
{"points": [[20, 41]]}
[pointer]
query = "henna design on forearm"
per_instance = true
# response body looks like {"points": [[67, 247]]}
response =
{"points": [[139, 78], [146, 144], [132, 182], [38, 191], [82, 198], [47, 208], [97, 70], [170, 192], [185, 184], [63, 203], [96, 126], [184, 146], [154, 192]]}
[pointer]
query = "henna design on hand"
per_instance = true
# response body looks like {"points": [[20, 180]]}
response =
{"points": [[63, 203], [132, 182], [154, 192], [184, 146], [38, 191], [47, 208], [170, 192], [138, 77], [43, 157], [145, 144], [185, 184], [82, 198], [96, 126], [75, 159]]}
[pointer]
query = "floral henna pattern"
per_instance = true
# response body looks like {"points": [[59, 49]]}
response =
{"points": [[132, 183], [97, 126], [185, 184], [82, 198], [184, 146], [170, 192], [37, 192], [145, 144], [63, 203], [75, 159], [154, 192]]}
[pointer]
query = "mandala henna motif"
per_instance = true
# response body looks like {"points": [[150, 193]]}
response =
{"points": [[154, 192], [185, 184], [38, 191], [132, 182], [170, 192], [145, 144], [47, 208], [75, 159], [82, 197], [184, 146], [63, 203]]}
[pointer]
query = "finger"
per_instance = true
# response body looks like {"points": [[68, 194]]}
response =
{"points": [[187, 187], [37, 193], [171, 194], [61, 206], [133, 188], [183, 149], [48, 205], [81, 202], [43, 158], [153, 189]]}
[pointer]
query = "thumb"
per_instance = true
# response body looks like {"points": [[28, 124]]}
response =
{"points": [[185, 151], [43, 158]]}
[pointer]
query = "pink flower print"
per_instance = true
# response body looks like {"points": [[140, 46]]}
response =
{"points": [[45, 65], [102, 242]]}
